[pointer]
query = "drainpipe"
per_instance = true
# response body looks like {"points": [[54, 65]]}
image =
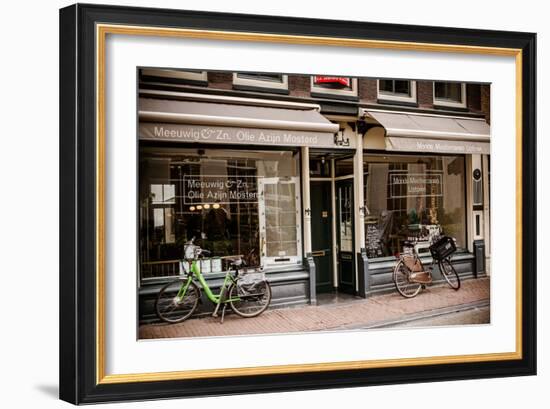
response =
{"points": [[363, 277], [360, 282], [307, 224]]}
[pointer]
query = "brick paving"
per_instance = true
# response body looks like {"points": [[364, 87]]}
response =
{"points": [[354, 313]]}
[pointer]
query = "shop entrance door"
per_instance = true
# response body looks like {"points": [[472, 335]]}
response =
{"points": [[321, 234], [345, 233]]}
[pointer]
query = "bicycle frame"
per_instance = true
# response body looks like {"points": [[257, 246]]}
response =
{"points": [[216, 299]]}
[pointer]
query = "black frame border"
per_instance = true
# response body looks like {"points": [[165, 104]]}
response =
{"points": [[78, 197]]}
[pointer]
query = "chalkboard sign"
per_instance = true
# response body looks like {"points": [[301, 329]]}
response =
{"points": [[374, 249]]}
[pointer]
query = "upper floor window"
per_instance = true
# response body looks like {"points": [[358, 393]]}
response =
{"points": [[334, 86], [261, 80], [397, 90], [450, 94], [196, 77]]}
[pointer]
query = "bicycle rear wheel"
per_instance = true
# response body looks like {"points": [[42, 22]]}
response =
{"points": [[449, 274], [402, 283], [250, 305], [171, 308]]}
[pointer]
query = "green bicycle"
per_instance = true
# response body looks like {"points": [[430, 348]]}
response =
{"points": [[246, 291]]}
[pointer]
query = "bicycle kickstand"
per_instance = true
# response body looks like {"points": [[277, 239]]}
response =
{"points": [[223, 313]]}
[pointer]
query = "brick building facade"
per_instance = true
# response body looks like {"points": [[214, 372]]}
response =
{"points": [[372, 162]]}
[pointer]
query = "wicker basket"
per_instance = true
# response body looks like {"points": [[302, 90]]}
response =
{"points": [[443, 248]]}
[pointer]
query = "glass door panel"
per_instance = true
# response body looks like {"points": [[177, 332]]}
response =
{"points": [[280, 229]]}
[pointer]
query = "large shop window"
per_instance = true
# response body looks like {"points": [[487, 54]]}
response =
{"points": [[234, 202], [413, 198]]}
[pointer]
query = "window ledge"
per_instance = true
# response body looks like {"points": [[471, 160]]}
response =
{"points": [[397, 102], [280, 91]]}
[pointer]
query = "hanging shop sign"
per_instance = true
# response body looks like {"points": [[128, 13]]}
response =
{"points": [[344, 81], [234, 135]]}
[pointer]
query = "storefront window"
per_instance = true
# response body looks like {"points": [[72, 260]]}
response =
{"points": [[412, 198], [232, 202]]}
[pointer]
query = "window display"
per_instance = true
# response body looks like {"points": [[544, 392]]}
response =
{"points": [[233, 202], [412, 198]]}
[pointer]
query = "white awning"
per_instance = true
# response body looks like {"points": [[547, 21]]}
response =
{"points": [[232, 123], [410, 132]]}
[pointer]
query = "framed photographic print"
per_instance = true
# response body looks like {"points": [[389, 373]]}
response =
{"points": [[257, 203]]}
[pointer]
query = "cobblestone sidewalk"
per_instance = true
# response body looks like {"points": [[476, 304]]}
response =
{"points": [[353, 314]]}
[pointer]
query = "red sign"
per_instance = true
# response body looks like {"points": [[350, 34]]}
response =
{"points": [[345, 81]]}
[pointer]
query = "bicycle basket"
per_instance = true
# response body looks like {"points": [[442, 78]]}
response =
{"points": [[190, 251], [251, 282], [443, 248]]}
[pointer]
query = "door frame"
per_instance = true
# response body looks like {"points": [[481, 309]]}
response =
{"points": [[351, 287]]}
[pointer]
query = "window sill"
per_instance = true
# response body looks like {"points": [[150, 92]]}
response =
{"points": [[442, 107], [280, 91], [334, 96], [382, 101]]}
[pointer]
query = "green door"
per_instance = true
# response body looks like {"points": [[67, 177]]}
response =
{"points": [[321, 234], [345, 233]]}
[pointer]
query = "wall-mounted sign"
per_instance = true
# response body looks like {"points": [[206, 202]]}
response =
{"points": [[344, 81], [415, 184], [239, 136]]}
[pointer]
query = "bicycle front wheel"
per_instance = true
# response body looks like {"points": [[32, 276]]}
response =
{"points": [[171, 308], [250, 304], [402, 283], [449, 274]]}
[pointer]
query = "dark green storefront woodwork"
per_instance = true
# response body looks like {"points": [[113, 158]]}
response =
{"points": [[321, 234]]}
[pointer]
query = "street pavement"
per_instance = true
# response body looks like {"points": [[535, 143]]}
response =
{"points": [[436, 305], [470, 316]]}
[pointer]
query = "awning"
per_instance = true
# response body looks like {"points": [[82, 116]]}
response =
{"points": [[409, 132], [233, 123]]}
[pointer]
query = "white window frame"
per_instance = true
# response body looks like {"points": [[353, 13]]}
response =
{"points": [[266, 261], [176, 74], [391, 96], [335, 91], [448, 103], [252, 82]]}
